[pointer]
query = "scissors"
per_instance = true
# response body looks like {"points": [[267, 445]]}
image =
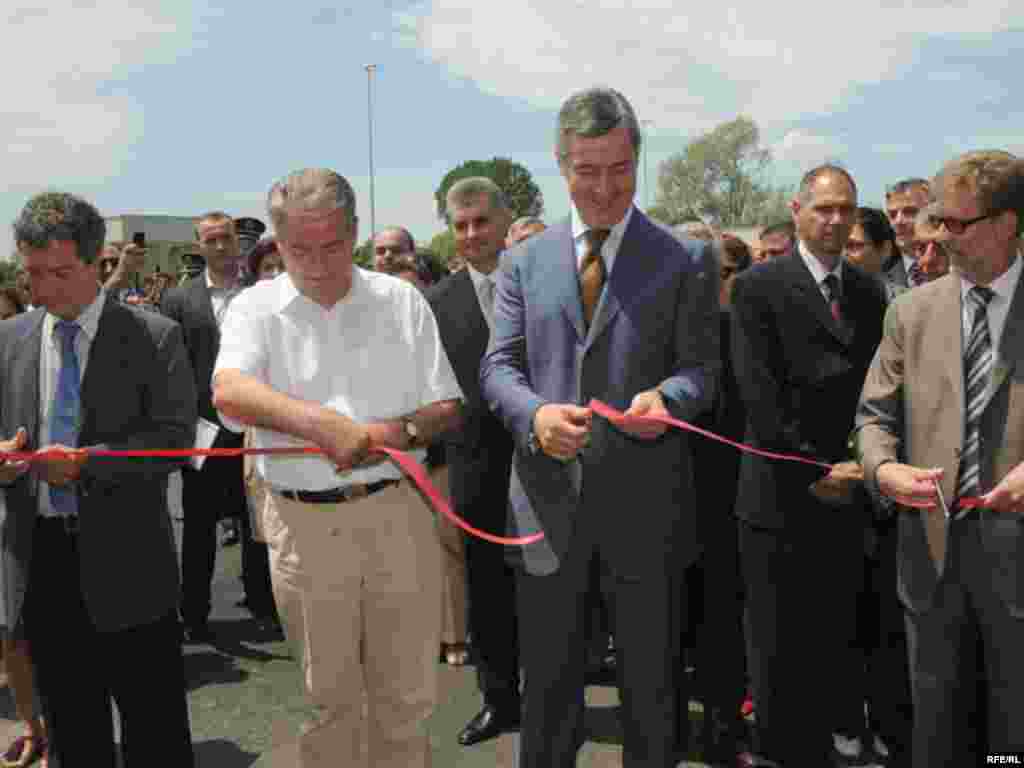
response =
{"points": [[942, 499]]}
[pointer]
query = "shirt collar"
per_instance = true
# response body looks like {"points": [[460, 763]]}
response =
{"points": [[287, 293], [817, 268], [478, 277], [579, 228], [212, 287], [1003, 286], [88, 320]]}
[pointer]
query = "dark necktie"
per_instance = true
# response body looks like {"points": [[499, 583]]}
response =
{"points": [[592, 272], [977, 367], [65, 409], [916, 275], [833, 297]]}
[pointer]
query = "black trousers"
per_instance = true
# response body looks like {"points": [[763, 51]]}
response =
{"points": [[493, 623], [968, 621], [645, 616], [883, 637], [802, 584], [207, 495], [79, 669], [259, 593]]}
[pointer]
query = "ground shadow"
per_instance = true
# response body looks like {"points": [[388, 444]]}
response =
{"points": [[237, 637], [219, 753], [211, 668]]}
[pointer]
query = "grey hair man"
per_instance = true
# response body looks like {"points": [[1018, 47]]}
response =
{"points": [[348, 360], [522, 228], [904, 200], [605, 305], [390, 244]]}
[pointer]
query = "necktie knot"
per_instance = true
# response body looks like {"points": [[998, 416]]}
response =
{"points": [[67, 331], [595, 240], [832, 287], [916, 275], [980, 296]]}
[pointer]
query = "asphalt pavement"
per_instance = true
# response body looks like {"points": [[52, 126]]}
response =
{"points": [[247, 704]]}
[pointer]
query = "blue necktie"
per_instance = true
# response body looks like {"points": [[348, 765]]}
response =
{"points": [[65, 410]]}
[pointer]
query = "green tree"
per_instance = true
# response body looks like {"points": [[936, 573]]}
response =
{"points": [[8, 268], [363, 254], [719, 176], [442, 245], [522, 194]]}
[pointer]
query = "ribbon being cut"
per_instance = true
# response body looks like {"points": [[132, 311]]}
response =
{"points": [[416, 473]]}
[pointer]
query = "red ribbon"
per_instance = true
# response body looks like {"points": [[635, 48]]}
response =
{"points": [[414, 470]]}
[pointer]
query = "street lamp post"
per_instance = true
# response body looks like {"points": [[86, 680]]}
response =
{"points": [[370, 69]]}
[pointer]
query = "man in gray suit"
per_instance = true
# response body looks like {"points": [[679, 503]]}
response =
{"points": [[603, 305], [88, 570], [940, 422], [904, 200]]}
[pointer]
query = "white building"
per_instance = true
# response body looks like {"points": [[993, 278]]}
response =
{"points": [[170, 240]]}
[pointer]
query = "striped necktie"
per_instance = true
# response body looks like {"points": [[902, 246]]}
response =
{"points": [[977, 368], [915, 275], [831, 283], [592, 272], [65, 409]]}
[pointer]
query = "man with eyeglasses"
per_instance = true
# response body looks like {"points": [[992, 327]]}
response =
{"points": [[940, 428], [392, 243], [904, 200]]}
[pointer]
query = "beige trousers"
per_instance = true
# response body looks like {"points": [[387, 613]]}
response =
{"points": [[453, 570], [358, 586]]}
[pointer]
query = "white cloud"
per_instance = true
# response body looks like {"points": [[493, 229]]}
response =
{"points": [[801, 150], [57, 55], [689, 66]]}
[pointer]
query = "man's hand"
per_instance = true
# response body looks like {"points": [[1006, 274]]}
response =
{"points": [[1008, 496], [12, 470], [344, 442], [910, 486], [562, 430], [132, 258], [649, 403], [62, 468], [837, 486]]}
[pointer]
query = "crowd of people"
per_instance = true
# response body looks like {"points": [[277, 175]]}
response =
{"points": [[843, 592]]}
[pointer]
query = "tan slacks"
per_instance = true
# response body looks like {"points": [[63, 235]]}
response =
{"points": [[453, 570], [358, 585]]}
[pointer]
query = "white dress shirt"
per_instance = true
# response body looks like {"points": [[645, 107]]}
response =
{"points": [[374, 355], [49, 371], [609, 250], [1003, 288], [818, 270], [484, 287], [908, 263], [220, 297]]}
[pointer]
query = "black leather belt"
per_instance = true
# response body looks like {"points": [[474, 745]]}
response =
{"points": [[339, 495], [60, 524]]}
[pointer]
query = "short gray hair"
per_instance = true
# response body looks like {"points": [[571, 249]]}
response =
{"points": [[592, 113], [59, 216], [465, 192], [311, 189], [528, 221]]}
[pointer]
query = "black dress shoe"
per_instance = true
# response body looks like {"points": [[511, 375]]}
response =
{"points": [[489, 723]]}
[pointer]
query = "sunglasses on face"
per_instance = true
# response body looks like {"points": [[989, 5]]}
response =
{"points": [[959, 226]]}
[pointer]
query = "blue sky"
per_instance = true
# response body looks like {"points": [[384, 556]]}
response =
{"points": [[178, 108]]}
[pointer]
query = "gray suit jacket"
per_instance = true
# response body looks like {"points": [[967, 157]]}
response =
{"points": [[912, 410], [656, 325], [137, 393]]}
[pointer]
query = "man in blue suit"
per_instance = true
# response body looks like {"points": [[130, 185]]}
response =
{"points": [[603, 305]]}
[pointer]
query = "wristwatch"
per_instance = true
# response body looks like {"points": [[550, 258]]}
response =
{"points": [[411, 430]]}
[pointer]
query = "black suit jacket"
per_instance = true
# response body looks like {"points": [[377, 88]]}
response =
{"points": [[137, 393], [190, 306], [480, 454], [800, 377]]}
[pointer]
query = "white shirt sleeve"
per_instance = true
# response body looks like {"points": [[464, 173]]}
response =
{"points": [[242, 347]]}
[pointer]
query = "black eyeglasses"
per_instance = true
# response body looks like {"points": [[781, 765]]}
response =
{"points": [[959, 226]]}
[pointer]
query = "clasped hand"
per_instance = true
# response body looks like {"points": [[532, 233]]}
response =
{"points": [[62, 467]]}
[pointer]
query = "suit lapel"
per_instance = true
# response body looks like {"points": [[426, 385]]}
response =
{"points": [[807, 289], [565, 279], [621, 282], [201, 301], [474, 343], [107, 342], [25, 371], [1011, 345]]}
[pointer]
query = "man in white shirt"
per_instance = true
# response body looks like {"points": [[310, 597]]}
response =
{"points": [[345, 359], [939, 423]]}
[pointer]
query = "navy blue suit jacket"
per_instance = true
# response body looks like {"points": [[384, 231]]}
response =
{"points": [[656, 326]]}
